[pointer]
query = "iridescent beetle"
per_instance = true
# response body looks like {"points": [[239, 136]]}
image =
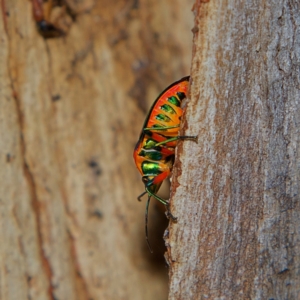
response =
{"points": [[154, 152]]}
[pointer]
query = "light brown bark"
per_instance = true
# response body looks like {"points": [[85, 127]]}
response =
{"points": [[236, 193], [71, 110]]}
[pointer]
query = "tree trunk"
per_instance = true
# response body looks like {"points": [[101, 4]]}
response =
{"points": [[236, 193], [71, 110]]}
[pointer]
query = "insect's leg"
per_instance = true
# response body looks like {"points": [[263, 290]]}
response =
{"points": [[162, 128], [141, 195], [146, 218], [146, 223], [165, 202], [181, 137]]}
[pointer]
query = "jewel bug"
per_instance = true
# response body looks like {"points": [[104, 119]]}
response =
{"points": [[154, 152]]}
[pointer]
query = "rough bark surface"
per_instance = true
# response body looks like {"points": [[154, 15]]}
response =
{"points": [[236, 193], [71, 110]]}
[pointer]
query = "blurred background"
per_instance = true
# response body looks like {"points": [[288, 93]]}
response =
{"points": [[71, 112]]}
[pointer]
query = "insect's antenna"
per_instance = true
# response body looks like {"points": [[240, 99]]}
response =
{"points": [[146, 223], [141, 195]]}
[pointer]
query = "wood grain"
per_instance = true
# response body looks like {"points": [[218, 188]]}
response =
{"points": [[236, 193], [71, 111]]}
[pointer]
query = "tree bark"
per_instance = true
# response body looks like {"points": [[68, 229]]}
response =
{"points": [[71, 110], [236, 193]]}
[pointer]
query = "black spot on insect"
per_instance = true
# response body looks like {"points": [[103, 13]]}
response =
{"points": [[171, 158], [181, 95], [148, 132], [8, 158], [56, 97], [93, 164]]}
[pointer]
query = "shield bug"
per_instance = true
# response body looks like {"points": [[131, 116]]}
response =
{"points": [[154, 152]]}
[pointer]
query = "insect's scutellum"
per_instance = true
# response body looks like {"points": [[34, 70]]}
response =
{"points": [[154, 152]]}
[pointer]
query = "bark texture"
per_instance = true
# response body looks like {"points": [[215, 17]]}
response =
{"points": [[236, 193], [71, 110]]}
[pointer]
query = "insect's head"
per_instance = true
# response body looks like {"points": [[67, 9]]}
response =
{"points": [[147, 180]]}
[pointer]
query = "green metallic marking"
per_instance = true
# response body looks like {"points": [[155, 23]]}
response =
{"points": [[162, 117], [174, 100], [150, 168], [167, 108], [150, 144], [149, 133], [181, 95], [155, 155], [159, 127], [151, 154]]}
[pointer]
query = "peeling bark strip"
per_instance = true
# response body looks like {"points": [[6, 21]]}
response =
{"points": [[236, 194]]}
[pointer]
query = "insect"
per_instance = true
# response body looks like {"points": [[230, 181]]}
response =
{"points": [[154, 152], [41, 14]]}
